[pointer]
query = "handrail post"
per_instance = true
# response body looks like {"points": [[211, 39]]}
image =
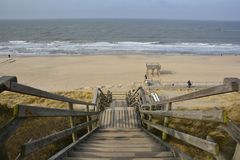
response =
{"points": [[149, 118], [88, 127], [74, 135], [166, 120]]}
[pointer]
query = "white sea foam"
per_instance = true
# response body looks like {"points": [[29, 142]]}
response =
{"points": [[67, 47]]}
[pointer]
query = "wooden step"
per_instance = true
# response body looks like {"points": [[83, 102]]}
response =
{"points": [[119, 145], [78, 158], [120, 135], [119, 149], [122, 154], [147, 139], [119, 130], [128, 134]]}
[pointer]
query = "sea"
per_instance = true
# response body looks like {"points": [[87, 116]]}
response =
{"points": [[118, 36]]}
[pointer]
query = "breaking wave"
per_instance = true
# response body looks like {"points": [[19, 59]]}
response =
{"points": [[68, 47]]}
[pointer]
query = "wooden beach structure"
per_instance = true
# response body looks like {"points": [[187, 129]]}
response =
{"points": [[154, 69], [120, 128]]}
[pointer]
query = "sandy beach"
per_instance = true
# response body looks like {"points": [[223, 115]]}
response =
{"points": [[56, 73]]}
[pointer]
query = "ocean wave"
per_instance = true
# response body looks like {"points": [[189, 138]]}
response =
{"points": [[68, 47]]}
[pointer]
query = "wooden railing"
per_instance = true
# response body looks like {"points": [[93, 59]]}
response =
{"points": [[215, 115], [22, 112]]}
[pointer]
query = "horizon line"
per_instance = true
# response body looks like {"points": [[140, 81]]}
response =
{"points": [[98, 18]]}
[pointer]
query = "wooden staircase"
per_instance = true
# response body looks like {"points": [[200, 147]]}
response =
{"points": [[108, 144], [119, 136]]}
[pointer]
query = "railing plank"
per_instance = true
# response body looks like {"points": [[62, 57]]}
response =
{"points": [[208, 115], [230, 85], [233, 130], [39, 143], [20, 88], [205, 145], [25, 111], [9, 129]]}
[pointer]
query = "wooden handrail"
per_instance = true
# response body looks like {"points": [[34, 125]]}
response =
{"points": [[208, 115], [215, 115], [203, 144], [34, 145], [9, 83], [229, 85], [26, 111]]}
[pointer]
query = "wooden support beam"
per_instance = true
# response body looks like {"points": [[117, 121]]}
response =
{"points": [[72, 123], [229, 85], [34, 145], [25, 111], [166, 120], [7, 130], [95, 96], [88, 127], [20, 88], [203, 144], [208, 115]]}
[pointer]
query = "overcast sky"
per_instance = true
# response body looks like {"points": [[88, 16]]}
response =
{"points": [[160, 9]]}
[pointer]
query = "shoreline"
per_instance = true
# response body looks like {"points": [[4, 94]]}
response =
{"points": [[117, 54]]}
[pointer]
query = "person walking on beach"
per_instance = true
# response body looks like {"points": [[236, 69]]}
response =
{"points": [[145, 77], [189, 84]]}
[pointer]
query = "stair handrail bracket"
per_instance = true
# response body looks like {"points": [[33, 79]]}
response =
{"points": [[24, 111], [147, 112]]}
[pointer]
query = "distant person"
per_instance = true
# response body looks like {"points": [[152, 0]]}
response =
{"points": [[145, 77], [9, 56], [189, 84]]}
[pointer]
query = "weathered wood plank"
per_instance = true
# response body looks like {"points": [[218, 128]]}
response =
{"points": [[120, 158], [118, 149], [205, 145], [72, 123], [39, 143], [20, 88], [7, 130], [95, 96], [230, 85], [233, 130], [208, 115], [71, 146], [236, 155], [24, 111], [88, 118], [120, 154]]}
